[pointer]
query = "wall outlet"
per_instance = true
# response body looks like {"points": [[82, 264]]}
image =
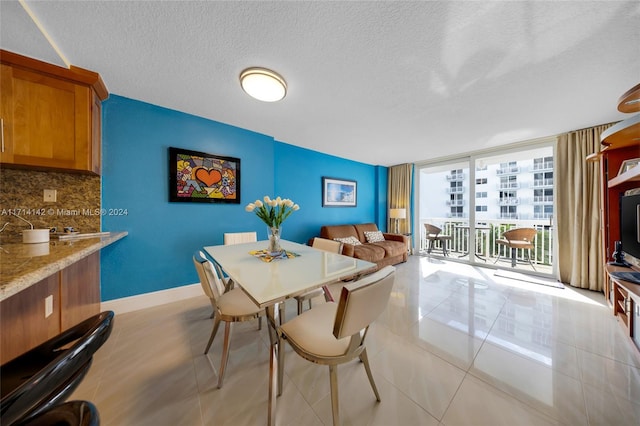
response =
{"points": [[48, 306], [50, 195]]}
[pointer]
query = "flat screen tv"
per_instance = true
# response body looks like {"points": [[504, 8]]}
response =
{"points": [[630, 227]]}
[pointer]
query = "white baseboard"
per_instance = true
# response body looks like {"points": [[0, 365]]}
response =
{"points": [[148, 300]]}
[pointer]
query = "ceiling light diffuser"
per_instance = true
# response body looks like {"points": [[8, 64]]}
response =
{"points": [[263, 84]]}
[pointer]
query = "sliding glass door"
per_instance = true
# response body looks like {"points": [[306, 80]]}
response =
{"points": [[444, 203], [475, 199]]}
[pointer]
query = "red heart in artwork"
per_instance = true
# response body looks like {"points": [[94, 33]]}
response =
{"points": [[208, 177]]}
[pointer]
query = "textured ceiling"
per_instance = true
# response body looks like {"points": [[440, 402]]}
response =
{"points": [[377, 82]]}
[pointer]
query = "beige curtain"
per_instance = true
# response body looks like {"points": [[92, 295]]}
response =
{"points": [[399, 194], [579, 238]]}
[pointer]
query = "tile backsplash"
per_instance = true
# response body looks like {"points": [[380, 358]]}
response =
{"points": [[77, 201]]}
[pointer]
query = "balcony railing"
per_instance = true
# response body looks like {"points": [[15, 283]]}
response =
{"points": [[457, 176], [542, 215], [455, 202], [509, 216], [547, 165], [455, 190], [543, 199], [486, 245], [508, 170], [509, 185], [510, 201], [542, 182]]}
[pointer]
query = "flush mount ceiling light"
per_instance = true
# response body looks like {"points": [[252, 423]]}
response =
{"points": [[263, 84]]}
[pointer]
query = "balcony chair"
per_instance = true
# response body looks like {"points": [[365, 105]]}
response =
{"points": [[517, 238], [334, 333], [435, 234], [46, 375], [231, 306], [330, 290]]}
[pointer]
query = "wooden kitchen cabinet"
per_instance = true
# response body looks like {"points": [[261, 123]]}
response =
{"points": [[75, 291], [79, 297], [22, 318], [50, 115]]}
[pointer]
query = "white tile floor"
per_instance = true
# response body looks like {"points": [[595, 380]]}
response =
{"points": [[456, 346]]}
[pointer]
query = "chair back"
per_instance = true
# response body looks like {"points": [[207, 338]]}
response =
{"points": [[327, 245], [47, 374], [362, 302], [432, 229], [209, 279], [240, 237], [520, 234]]}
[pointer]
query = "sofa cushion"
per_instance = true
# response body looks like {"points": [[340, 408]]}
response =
{"points": [[392, 248], [374, 236], [349, 240], [339, 231], [361, 228], [369, 252]]}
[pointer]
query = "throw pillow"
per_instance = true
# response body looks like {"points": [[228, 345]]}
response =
{"points": [[349, 240], [374, 236]]}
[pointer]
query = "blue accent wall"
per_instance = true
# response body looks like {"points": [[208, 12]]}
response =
{"points": [[156, 255], [299, 171], [382, 177]]}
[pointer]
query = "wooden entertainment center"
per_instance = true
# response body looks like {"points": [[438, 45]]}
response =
{"points": [[620, 142]]}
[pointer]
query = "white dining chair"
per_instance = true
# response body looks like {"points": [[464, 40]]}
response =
{"points": [[240, 237], [230, 238], [334, 333], [329, 291], [231, 306]]}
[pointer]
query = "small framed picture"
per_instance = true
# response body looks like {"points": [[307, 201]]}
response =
{"points": [[339, 192], [628, 165], [203, 178]]}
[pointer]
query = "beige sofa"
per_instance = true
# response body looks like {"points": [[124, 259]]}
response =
{"points": [[391, 251]]}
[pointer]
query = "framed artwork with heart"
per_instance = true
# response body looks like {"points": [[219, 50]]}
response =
{"points": [[203, 178]]}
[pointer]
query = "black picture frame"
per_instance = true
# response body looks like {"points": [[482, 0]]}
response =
{"points": [[199, 177], [339, 192]]}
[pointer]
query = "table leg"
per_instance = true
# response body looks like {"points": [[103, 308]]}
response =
{"points": [[475, 253], [274, 348]]}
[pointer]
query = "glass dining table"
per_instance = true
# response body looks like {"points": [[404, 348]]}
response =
{"points": [[270, 281]]}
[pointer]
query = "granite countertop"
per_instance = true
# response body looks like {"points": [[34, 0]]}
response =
{"points": [[22, 265]]}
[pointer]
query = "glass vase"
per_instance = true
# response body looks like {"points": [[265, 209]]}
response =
{"points": [[274, 233]]}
